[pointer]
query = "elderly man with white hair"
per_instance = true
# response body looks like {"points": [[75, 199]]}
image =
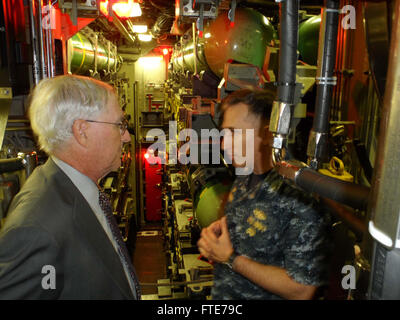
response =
{"points": [[60, 240]]}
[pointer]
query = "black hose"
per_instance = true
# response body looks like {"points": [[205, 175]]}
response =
{"points": [[289, 17], [350, 194], [328, 60], [10, 165]]}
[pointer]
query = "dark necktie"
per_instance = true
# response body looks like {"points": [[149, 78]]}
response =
{"points": [[105, 205]]}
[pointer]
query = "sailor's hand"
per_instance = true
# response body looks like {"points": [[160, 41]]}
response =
{"points": [[214, 245]]}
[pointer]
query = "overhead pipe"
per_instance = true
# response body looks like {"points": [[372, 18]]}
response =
{"points": [[49, 44], [41, 39], [37, 76], [121, 28], [325, 81]]}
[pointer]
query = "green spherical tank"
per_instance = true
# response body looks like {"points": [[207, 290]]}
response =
{"points": [[245, 42], [209, 204], [308, 39]]}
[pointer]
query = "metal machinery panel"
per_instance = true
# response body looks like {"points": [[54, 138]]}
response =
{"points": [[377, 22]]}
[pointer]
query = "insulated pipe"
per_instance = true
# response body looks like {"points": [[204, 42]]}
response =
{"points": [[282, 107], [325, 83], [353, 195], [288, 35], [350, 194]]}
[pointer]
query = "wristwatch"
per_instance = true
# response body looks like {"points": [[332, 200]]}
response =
{"points": [[232, 258]]}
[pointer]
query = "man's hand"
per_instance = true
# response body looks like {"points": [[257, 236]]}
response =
{"points": [[215, 243]]}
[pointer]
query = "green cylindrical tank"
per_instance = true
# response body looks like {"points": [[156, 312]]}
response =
{"points": [[308, 39], [82, 55], [245, 42], [193, 60], [185, 57], [209, 203], [177, 59]]}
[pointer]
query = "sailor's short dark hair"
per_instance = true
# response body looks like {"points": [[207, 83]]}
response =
{"points": [[259, 101]]}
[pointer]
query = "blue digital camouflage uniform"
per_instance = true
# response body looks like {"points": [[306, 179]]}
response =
{"points": [[273, 223]]}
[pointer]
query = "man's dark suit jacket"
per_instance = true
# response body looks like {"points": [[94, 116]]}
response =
{"points": [[50, 223]]}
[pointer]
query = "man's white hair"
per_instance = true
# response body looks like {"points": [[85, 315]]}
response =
{"points": [[57, 102]]}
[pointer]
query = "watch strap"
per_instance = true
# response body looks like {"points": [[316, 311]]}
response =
{"points": [[231, 259]]}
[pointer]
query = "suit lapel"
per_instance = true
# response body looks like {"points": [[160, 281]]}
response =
{"points": [[90, 228], [88, 225]]}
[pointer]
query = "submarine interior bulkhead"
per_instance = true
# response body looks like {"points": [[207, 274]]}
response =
{"points": [[332, 65]]}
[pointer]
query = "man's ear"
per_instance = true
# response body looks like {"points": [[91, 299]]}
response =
{"points": [[80, 131], [266, 135]]}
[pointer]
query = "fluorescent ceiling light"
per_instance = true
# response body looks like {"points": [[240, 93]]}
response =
{"points": [[145, 37], [127, 9], [138, 28], [123, 9]]}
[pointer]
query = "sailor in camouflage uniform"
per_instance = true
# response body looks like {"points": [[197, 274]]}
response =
{"points": [[272, 242]]}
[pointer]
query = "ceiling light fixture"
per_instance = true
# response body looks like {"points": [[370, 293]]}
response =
{"points": [[139, 28], [145, 37], [123, 9]]}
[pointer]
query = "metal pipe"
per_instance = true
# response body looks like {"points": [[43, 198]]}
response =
{"points": [[18, 128], [350, 194], [34, 42], [18, 120], [317, 147], [355, 196], [51, 54], [347, 215], [121, 28], [41, 44], [47, 40]]}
